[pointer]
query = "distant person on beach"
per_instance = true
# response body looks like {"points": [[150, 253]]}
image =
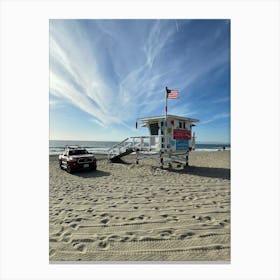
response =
{"points": [[137, 156], [224, 148]]}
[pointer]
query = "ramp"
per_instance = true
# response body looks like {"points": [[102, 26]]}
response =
{"points": [[117, 158], [120, 150]]}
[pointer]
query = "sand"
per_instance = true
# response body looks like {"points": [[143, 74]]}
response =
{"points": [[129, 212]]}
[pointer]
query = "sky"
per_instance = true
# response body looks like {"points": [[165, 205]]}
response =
{"points": [[105, 74]]}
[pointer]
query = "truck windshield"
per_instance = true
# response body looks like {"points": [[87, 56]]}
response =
{"points": [[77, 152]]}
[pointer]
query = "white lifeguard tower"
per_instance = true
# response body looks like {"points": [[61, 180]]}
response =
{"points": [[170, 133], [170, 139]]}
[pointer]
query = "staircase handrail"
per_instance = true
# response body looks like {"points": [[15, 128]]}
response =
{"points": [[118, 144]]}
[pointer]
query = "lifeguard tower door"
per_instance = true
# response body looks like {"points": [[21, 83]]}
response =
{"points": [[154, 131]]}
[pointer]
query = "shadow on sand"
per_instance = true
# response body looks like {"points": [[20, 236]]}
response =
{"points": [[212, 172], [119, 160], [91, 174]]}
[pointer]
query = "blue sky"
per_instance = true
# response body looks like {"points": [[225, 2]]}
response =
{"points": [[104, 74]]}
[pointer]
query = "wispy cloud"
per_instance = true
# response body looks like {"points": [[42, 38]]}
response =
{"points": [[221, 100], [74, 76], [215, 118], [56, 104], [77, 79]]}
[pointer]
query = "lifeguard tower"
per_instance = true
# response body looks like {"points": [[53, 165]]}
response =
{"points": [[170, 139]]}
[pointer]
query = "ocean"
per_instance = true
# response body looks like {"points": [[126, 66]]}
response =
{"points": [[101, 147]]}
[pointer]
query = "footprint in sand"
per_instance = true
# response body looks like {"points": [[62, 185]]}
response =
{"points": [[125, 238], [60, 232], [141, 217], [74, 225], [65, 239], [105, 221], [79, 247], [166, 233], [51, 252], [103, 245], [114, 237], [222, 224], [67, 233], [186, 235], [52, 240], [198, 218]]}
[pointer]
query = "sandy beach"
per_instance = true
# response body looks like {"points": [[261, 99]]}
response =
{"points": [[129, 212]]}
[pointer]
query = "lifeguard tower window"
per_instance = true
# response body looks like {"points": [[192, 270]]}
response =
{"points": [[184, 125], [154, 127], [180, 125]]}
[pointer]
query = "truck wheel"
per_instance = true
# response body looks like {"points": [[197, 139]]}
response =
{"points": [[68, 169], [93, 168], [60, 164]]}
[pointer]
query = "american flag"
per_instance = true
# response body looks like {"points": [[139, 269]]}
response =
{"points": [[172, 94]]}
